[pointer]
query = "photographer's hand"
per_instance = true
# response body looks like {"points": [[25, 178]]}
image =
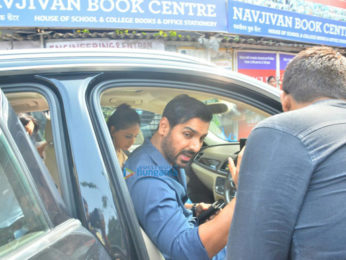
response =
{"points": [[234, 170]]}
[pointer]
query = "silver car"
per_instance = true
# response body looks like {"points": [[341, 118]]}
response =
{"points": [[71, 93]]}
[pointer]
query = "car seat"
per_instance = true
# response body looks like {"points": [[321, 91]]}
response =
{"points": [[153, 252]]}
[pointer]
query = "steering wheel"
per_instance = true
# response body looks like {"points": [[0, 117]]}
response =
{"points": [[229, 188]]}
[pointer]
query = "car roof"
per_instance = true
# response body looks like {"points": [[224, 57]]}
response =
{"points": [[67, 61], [98, 59]]}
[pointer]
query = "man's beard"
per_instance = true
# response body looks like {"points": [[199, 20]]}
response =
{"points": [[169, 152]]}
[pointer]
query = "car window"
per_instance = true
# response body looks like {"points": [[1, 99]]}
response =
{"points": [[32, 105], [49, 141], [232, 125], [21, 218], [100, 216], [237, 122], [149, 101], [149, 123]]}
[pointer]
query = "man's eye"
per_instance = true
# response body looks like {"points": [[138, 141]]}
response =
{"points": [[129, 136], [188, 135]]}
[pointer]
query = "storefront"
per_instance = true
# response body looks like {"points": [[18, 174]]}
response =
{"points": [[257, 38]]}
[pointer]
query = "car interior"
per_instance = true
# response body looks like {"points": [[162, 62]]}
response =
{"points": [[232, 121], [207, 174]]}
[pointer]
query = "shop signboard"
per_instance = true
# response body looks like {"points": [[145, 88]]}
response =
{"points": [[192, 15], [193, 51], [284, 22], [105, 43], [284, 60], [257, 64]]}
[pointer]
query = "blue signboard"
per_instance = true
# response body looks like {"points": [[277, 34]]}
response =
{"points": [[192, 15], [284, 60], [256, 60], [256, 20]]}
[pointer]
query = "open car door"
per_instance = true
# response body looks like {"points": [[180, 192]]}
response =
{"points": [[33, 221]]}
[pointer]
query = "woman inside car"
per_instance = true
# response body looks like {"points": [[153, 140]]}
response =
{"points": [[123, 126]]}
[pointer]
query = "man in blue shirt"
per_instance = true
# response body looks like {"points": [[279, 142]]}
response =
{"points": [[157, 184], [292, 181]]}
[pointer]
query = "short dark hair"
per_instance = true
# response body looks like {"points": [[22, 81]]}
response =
{"points": [[182, 108], [316, 72], [123, 117]]}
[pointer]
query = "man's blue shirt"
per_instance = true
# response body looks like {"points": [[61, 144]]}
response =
{"points": [[291, 199], [158, 193]]}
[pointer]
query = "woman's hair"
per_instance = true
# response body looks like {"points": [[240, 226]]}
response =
{"points": [[26, 118], [123, 117], [269, 78]]}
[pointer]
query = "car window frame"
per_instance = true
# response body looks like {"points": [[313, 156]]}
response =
{"points": [[52, 239], [114, 80], [96, 92], [60, 136], [121, 195]]}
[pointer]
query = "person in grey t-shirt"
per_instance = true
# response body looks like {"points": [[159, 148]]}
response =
{"points": [[292, 180]]}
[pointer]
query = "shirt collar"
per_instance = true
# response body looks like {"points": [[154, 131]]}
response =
{"points": [[156, 156], [329, 100]]}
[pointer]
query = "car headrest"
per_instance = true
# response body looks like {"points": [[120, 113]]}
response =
{"points": [[218, 108]]}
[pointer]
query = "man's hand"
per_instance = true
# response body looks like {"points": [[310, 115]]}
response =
{"points": [[200, 207], [234, 170]]}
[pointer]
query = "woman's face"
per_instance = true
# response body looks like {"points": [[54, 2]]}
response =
{"points": [[124, 138], [30, 127], [272, 82]]}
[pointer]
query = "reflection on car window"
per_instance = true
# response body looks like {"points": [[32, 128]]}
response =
{"points": [[21, 218], [237, 123]]}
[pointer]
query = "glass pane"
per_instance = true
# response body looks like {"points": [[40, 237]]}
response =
{"points": [[237, 123], [22, 219], [33, 109], [231, 125], [149, 123]]}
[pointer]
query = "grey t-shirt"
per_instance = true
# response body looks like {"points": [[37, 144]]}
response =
{"points": [[291, 200]]}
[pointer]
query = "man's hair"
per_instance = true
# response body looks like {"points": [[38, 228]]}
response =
{"points": [[316, 72], [183, 108]]}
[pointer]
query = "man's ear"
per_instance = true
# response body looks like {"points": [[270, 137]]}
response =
{"points": [[286, 101], [163, 126]]}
